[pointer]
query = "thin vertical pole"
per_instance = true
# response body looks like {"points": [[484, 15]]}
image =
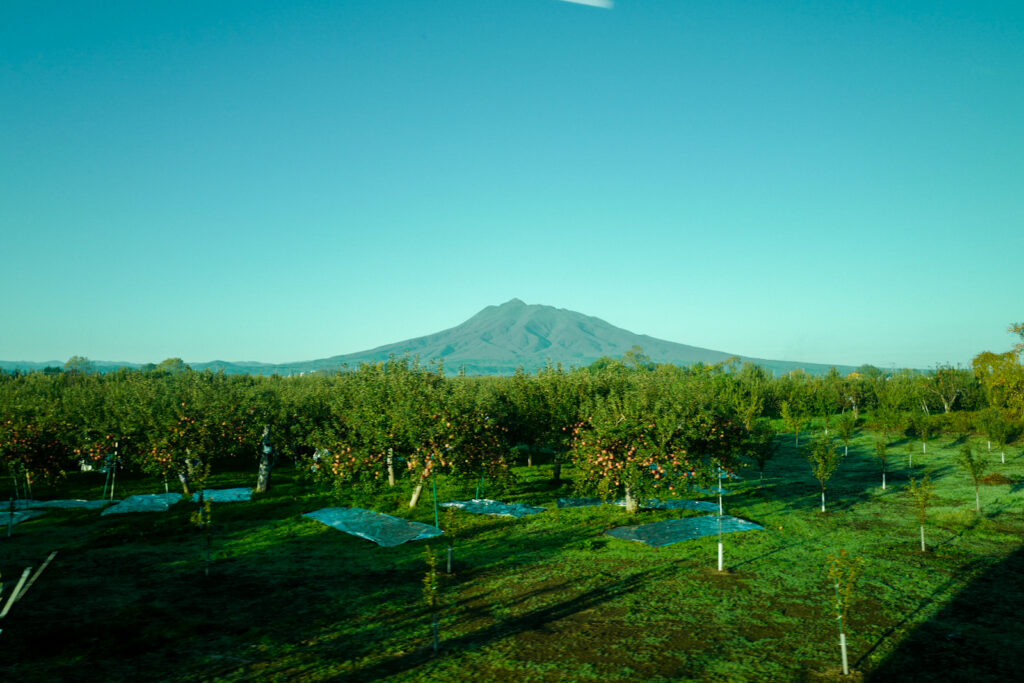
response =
{"points": [[437, 519]]}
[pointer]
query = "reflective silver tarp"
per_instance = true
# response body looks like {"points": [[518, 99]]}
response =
{"points": [[652, 504], [485, 506], [69, 504], [154, 502], [224, 495], [19, 517], [675, 530], [680, 504], [384, 530]]}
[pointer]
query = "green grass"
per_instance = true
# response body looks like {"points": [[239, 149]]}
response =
{"points": [[543, 598]]}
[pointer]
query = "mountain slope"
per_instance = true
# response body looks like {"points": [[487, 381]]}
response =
{"points": [[500, 339], [497, 341]]}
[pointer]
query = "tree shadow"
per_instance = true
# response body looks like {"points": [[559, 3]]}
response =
{"points": [[979, 636], [535, 620]]}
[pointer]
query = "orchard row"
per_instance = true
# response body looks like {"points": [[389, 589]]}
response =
{"points": [[629, 426]]}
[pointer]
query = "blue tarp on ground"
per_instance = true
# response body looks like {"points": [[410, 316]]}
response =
{"points": [[154, 502], [224, 495], [485, 506], [671, 531], [652, 504], [19, 517], [65, 504], [384, 530]]}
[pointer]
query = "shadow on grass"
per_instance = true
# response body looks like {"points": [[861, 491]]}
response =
{"points": [[979, 636], [535, 620]]}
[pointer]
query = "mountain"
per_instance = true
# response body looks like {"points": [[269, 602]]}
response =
{"points": [[500, 339]]}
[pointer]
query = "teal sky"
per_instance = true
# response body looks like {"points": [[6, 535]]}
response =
{"points": [[831, 181]]}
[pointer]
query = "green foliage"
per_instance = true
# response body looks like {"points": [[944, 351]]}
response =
{"points": [[844, 571], [882, 452], [761, 445], [846, 427], [529, 572], [431, 581], [971, 462], [794, 419], [974, 465], [824, 458], [651, 433], [923, 493]]}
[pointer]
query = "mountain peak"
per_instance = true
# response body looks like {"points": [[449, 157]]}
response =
{"points": [[513, 302]]}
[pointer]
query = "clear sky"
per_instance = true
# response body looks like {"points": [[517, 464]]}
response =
{"points": [[827, 181]]}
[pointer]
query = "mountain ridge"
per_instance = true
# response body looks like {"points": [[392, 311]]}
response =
{"points": [[500, 339]]}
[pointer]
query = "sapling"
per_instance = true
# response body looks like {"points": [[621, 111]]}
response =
{"points": [[1001, 434], [824, 458], [846, 427], [432, 594], [452, 526], [910, 452], [923, 492], [882, 453], [923, 427], [974, 466], [761, 445], [793, 419], [844, 572]]}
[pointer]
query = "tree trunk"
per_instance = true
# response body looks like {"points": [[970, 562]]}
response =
{"points": [[556, 473], [268, 459], [883, 480], [450, 550], [823, 500], [391, 467], [416, 494], [183, 477], [842, 647], [923, 548], [632, 505]]}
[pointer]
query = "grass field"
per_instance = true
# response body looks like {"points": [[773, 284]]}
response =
{"points": [[543, 598]]}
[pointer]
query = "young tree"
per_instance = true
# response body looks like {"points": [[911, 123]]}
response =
{"points": [[761, 445], [432, 595], [844, 572], [923, 427], [975, 466], [824, 458], [794, 419], [1002, 436], [882, 453], [846, 427], [923, 492]]}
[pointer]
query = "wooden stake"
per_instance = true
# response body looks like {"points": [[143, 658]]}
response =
{"points": [[35, 576], [17, 590]]}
